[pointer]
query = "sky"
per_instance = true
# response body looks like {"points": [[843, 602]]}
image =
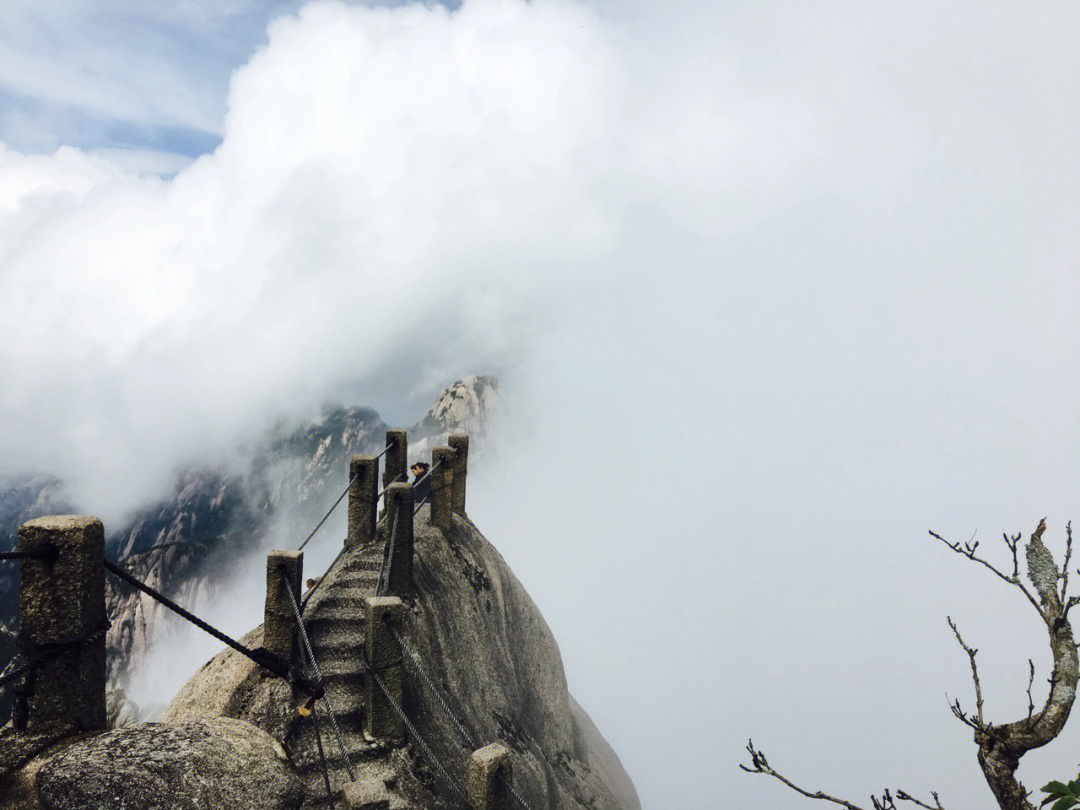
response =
{"points": [[772, 289]]}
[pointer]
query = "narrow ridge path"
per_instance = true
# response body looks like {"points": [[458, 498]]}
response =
{"points": [[335, 623]]}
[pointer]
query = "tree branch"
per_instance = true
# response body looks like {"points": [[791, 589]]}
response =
{"points": [[759, 764], [968, 550], [974, 675]]}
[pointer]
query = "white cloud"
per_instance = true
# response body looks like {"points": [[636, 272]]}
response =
{"points": [[782, 286]]}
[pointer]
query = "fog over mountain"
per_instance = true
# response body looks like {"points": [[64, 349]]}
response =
{"points": [[770, 288]]}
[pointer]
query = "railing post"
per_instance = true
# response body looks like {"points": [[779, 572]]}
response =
{"points": [[488, 778], [381, 721], [279, 621], [442, 481], [363, 492], [396, 458], [361, 795], [400, 510], [460, 444], [62, 602]]}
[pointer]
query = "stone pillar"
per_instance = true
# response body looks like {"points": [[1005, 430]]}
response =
{"points": [[62, 602], [442, 481], [460, 444], [381, 721], [488, 778], [279, 621], [399, 576], [396, 458], [363, 494], [366, 796]]}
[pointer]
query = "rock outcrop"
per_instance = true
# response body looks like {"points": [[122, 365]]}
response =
{"points": [[185, 545], [485, 647], [215, 764]]}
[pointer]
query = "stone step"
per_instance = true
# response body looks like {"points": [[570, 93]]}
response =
{"points": [[365, 562], [350, 615], [339, 666], [338, 641], [351, 598]]}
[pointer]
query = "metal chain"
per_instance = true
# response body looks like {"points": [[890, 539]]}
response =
{"points": [[294, 603], [412, 729]]}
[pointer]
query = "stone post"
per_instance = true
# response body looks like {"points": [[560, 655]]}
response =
{"points": [[442, 481], [396, 457], [460, 444], [400, 510], [62, 602], [362, 795], [363, 492], [381, 721], [279, 621], [488, 778]]}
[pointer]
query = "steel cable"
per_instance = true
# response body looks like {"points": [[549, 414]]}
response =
{"points": [[388, 557], [261, 656], [418, 668], [294, 603], [322, 760], [412, 729], [326, 517]]}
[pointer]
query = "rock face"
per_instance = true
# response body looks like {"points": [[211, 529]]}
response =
{"points": [[475, 636], [470, 406], [218, 764]]}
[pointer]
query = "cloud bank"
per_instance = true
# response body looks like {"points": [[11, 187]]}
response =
{"points": [[772, 290]]}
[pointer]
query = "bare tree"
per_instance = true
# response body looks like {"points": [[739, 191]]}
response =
{"points": [[1001, 745]]}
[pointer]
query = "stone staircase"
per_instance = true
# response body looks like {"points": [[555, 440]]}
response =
{"points": [[335, 624]]}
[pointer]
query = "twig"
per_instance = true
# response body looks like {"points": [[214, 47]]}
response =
{"points": [[759, 764], [974, 673], [968, 550], [1065, 567], [1031, 681], [907, 797]]}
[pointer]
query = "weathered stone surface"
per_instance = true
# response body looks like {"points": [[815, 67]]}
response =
{"points": [[442, 475], [485, 644], [218, 764], [62, 602], [279, 620], [381, 721], [488, 778], [363, 493]]}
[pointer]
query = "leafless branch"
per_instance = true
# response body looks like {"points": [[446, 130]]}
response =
{"points": [[1031, 680], [906, 797], [1065, 567], [968, 550], [759, 764], [974, 675], [1013, 544]]}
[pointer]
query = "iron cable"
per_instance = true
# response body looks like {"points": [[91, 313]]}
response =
{"points": [[412, 729], [294, 603]]}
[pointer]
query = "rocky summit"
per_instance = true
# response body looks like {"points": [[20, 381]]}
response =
{"points": [[481, 697]]}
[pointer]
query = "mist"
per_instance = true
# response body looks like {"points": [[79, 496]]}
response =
{"points": [[771, 290]]}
